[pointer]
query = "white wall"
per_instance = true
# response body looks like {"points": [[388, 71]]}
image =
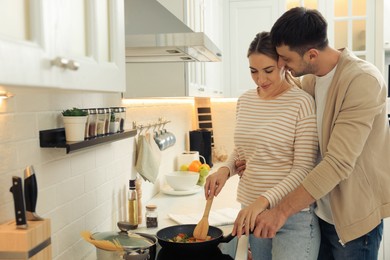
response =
{"points": [[84, 190]]}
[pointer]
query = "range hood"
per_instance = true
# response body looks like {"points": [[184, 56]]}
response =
{"points": [[154, 34]]}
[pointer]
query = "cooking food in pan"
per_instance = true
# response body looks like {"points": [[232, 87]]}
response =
{"points": [[184, 238]]}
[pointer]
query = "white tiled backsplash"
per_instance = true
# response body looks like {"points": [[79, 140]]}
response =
{"points": [[87, 189]]}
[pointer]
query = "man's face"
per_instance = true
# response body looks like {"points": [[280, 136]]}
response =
{"points": [[298, 65]]}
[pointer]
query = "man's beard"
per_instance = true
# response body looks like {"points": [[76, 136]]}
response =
{"points": [[307, 69]]}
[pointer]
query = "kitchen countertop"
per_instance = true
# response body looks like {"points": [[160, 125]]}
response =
{"points": [[195, 203]]}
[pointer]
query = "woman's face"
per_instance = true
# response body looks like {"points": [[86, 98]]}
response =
{"points": [[266, 74]]}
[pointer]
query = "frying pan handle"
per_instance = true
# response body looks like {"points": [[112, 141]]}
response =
{"points": [[227, 239]]}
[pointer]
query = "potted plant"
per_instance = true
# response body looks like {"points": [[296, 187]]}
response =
{"points": [[75, 120]]}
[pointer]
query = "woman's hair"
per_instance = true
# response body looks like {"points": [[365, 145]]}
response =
{"points": [[262, 44], [300, 29]]}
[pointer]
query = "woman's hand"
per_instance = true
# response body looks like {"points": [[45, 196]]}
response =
{"points": [[240, 167], [246, 218], [215, 182]]}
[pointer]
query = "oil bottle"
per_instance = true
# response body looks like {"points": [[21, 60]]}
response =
{"points": [[133, 205]]}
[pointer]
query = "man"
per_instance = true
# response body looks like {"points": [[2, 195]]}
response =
{"points": [[351, 183]]}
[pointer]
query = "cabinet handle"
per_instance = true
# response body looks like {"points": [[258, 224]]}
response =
{"points": [[65, 63], [73, 65], [60, 62], [200, 89]]}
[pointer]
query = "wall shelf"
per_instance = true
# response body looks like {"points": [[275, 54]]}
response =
{"points": [[55, 138]]}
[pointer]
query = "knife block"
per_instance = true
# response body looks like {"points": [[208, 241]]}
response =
{"points": [[32, 243]]}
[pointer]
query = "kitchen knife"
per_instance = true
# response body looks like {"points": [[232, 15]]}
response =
{"points": [[31, 193], [20, 210]]}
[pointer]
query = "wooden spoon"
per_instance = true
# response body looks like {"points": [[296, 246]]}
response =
{"points": [[201, 230]]}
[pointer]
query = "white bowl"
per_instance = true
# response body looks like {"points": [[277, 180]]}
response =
{"points": [[182, 180]]}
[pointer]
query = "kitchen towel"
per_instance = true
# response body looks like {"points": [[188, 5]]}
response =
{"points": [[219, 217], [148, 158]]}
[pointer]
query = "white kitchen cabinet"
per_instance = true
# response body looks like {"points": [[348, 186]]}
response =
{"points": [[386, 22], [206, 78], [245, 19], [23, 46], [63, 44]]}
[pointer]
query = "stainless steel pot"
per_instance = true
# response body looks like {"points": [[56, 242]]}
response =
{"points": [[137, 246]]}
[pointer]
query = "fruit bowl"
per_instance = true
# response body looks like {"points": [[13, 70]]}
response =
{"points": [[182, 180]]}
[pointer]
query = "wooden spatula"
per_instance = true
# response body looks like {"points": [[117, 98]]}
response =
{"points": [[201, 230]]}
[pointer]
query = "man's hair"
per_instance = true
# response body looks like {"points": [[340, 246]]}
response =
{"points": [[300, 29]]}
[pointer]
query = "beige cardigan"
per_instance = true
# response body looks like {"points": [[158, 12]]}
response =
{"points": [[356, 148]]}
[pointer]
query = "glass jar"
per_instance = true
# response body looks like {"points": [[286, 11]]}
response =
{"points": [[107, 122], [151, 216], [122, 111], [86, 133], [101, 121], [116, 118], [92, 120]]}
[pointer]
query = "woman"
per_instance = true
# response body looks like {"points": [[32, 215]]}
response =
{"points": [[276, 136]]}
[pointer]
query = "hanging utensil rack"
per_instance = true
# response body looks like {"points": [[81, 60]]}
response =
{"points": [[160, 122]]}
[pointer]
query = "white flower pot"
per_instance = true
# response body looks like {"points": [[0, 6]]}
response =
{"points": [[74, 128]]}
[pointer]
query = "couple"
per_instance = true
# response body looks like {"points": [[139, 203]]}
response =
{"points": [[295, 204]]}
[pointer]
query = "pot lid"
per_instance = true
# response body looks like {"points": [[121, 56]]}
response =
{"points": [[127, 240]]}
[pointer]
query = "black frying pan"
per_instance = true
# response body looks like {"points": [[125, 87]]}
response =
{"points": [[167, 233]]}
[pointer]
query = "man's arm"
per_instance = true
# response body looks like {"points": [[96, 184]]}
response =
{"points": [[270, 221]]}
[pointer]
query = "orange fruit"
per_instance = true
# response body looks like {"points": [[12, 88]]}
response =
{"points": [[194, 166]]}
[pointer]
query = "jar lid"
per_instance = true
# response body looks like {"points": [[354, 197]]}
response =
{"points": [[151, 206]]}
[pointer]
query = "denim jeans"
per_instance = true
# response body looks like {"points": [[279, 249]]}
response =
{"points": [[365, 247], [298, 239]]}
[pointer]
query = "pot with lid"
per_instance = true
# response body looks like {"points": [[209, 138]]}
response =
{"points": [[135, 246]]}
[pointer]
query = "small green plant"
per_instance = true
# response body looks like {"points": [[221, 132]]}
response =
{"points": [[74, 112]]}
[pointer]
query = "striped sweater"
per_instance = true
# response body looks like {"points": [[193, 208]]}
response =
{"points": [[278, 140]]}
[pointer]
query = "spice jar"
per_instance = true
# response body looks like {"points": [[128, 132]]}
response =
{"points": [[86, 133], [123, 117], [151, 216], [92, 122], [101, 121], [107, 122]]}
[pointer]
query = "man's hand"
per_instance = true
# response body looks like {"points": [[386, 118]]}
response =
{"points": [[246, 218], [269, 222]]}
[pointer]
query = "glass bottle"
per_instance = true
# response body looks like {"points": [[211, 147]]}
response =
{"points": [[151, 216], [133, 205]]}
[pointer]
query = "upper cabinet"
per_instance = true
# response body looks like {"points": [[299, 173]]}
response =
{"points": [[245, 19], [63, 44], [386, 31], [206, 78], [23, 47]]}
